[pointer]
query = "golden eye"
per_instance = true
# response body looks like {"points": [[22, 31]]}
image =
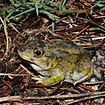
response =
{"points": [[38, 52]]}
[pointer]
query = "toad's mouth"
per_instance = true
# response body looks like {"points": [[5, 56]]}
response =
{"points": [[39, 68]]}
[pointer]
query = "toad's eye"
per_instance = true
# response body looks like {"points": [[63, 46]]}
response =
{"points": [[38, 52]]}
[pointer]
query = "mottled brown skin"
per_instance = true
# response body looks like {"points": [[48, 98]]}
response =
{"points": [[57, 60]]}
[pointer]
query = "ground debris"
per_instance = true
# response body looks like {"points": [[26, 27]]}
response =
{"points": [[81, 21]]}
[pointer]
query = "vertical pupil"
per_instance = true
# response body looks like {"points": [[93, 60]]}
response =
{"points": [[38, 52]]}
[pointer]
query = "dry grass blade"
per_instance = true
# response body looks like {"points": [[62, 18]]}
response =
{"points": [[82, 97], [7, 39]]}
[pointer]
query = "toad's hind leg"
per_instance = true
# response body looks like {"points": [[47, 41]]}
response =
{"points": [[83, 71]]}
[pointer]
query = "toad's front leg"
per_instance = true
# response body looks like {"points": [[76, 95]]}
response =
{"points": [[55, 78]]}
